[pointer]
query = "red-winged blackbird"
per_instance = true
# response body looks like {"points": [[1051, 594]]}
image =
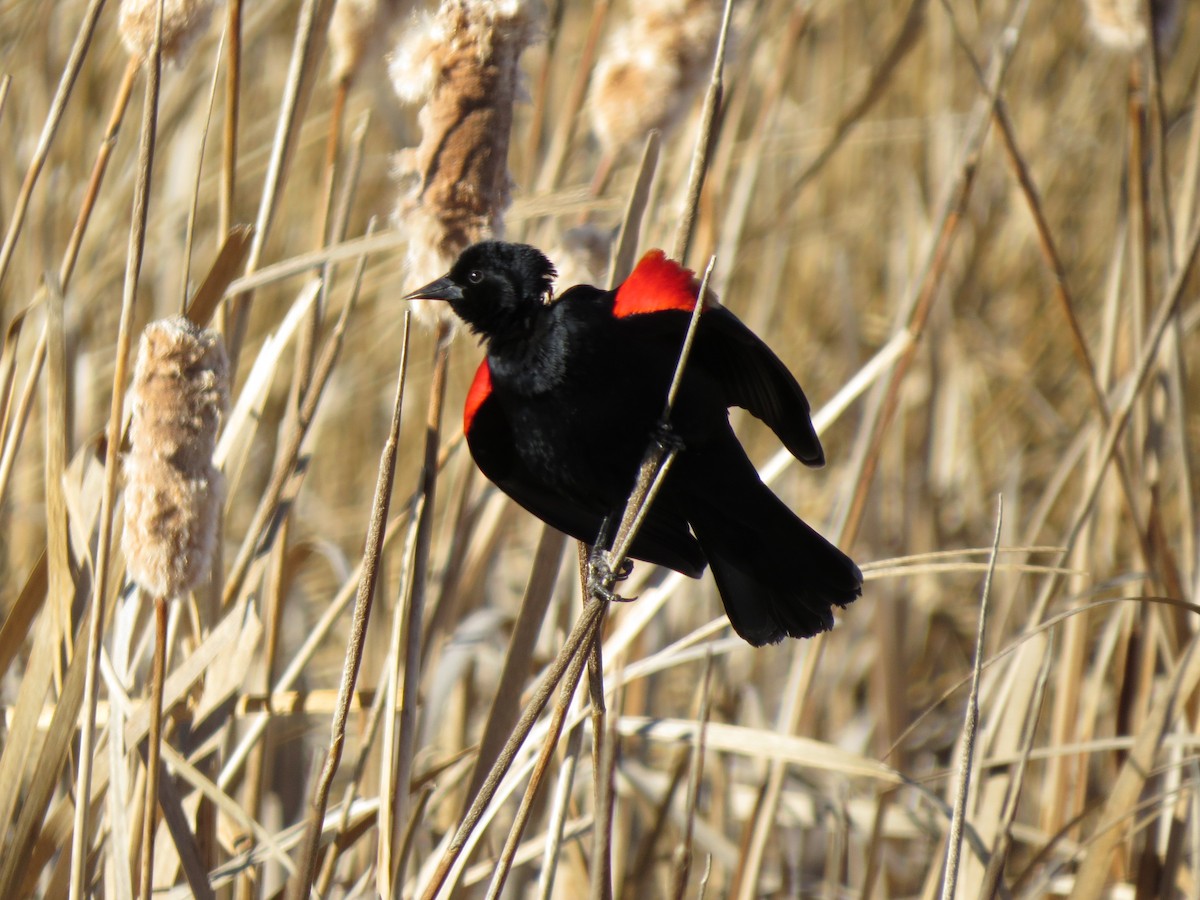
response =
{"points": [[571, 391]]}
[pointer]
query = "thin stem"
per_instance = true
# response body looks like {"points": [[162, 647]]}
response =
{"points": [[354, 647], [137, 240], [154, 749]]}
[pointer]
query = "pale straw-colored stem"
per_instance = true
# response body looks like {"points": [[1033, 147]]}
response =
{"points": [[137, 239]]}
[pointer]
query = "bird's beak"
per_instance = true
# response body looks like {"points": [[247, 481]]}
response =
{"points": [[442, 289]]}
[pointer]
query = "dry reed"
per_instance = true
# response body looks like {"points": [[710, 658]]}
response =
{"points": [[173, 492], [974, 232], [461, 63]]}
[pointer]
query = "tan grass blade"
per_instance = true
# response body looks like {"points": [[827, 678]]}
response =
{"points": [[760, 744], [8, 367], [21, 615], [224, 269]]}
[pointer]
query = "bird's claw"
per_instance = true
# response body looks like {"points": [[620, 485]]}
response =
{"points": [[666, 437], [601, 577]]}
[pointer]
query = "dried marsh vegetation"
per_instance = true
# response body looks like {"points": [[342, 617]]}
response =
{"points": [[971, 230]]}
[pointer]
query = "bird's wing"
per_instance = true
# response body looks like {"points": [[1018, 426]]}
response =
{"points": [[490, 437], [660, 294], [755, 379]]}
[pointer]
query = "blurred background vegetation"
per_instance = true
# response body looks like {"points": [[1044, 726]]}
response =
{"points": [[986, 208]]}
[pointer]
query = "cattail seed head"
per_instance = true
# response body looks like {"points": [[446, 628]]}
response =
{"points": [[1116, 23], [1119, 24], [355, 28], [173, 492], [183, 22], [461, 63], [651, 68]]}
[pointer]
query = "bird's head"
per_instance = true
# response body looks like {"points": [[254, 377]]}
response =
{"points": [[497, 288]]}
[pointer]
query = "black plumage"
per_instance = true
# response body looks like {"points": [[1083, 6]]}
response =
{"points": [[570, 393]]}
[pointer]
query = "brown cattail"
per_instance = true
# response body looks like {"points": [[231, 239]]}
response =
{"points": [[173, 492], [462, 63], [183, 22], [651, 68], [358, 26]]}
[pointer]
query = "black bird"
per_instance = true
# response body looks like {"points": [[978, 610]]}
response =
{"points": [[571, 392]]}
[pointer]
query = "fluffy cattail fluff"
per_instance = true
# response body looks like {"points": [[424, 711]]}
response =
{"points": [[183, 22], [651, 68], [173, 492], [358, 26], [1118, 23], [462, 63]]}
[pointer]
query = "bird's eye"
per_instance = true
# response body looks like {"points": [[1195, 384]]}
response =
{"points": [[474, 276]]}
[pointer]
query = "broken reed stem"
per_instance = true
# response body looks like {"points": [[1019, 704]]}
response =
{"points": [[306, 871], [137, 240], [333, 151], [966, 758], [19, 417], [154, 749]]}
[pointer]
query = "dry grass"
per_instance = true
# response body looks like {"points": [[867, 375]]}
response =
{"points": [[969, 228]]}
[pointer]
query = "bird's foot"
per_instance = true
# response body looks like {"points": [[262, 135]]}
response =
{"points": [[601, 577], [666, 437]]}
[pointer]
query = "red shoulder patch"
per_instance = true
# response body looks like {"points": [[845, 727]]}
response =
{"points": [[656, 284], [481, 389]]}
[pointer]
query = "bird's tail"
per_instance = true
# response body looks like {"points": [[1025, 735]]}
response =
{"points": [[777, 577]]}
